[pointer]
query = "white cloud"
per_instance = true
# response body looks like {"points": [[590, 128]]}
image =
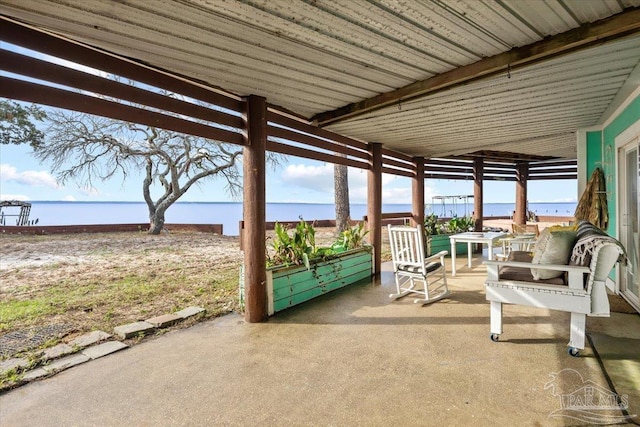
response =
{"points": [[9, 173], [20, 197], [395, 189], [69, 198], [396, 195], [559, 200], [317, 178], [90, 191]]}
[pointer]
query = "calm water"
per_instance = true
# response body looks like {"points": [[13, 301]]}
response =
{"points": [[229, 214]]}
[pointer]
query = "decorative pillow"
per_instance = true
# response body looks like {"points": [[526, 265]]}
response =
{"points": [[542, 241], [555, 228], [553, 247]]}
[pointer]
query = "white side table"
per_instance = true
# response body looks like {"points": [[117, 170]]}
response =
{"points": [[471, 237]]}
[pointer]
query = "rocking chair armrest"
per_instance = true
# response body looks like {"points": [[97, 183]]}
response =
{"points": [[434, 257]]}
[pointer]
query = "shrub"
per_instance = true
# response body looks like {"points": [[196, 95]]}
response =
{"points": [[300, 248]]}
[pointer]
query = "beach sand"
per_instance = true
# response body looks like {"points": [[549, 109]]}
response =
{"points": [[140, 250], [505, 224]]}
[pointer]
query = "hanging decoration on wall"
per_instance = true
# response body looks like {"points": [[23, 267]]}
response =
{"points": [[592, 206]]}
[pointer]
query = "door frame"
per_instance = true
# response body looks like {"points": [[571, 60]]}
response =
{"points": [[625, 138]]}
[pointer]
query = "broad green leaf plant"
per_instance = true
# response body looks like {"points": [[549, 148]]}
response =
{"points": [[300, 248], [456, 224]]}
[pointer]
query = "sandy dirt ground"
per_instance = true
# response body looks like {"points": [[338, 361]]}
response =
{"points": [[92, 254], [138, 249], [83, 282], [34, 251], [505, 224]]}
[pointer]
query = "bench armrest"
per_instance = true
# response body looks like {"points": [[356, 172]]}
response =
{"points": [[556, 267], [575, 272]]}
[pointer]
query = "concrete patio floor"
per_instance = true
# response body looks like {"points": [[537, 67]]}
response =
{"points": [[350, 358]]}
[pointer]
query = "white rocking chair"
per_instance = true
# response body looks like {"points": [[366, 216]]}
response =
{"points": [[410, 265]]}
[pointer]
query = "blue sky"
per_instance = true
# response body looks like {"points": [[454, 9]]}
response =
{"points": [[298, 180]]}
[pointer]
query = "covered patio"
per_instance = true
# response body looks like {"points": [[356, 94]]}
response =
{"points": [[460, 90], [352, 357], [465, 91]]}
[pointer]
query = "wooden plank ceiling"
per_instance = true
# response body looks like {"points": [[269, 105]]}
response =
{"points": [[427, 78]]}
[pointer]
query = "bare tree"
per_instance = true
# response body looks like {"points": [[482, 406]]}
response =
{"points": [[85, 148], [341, 187]]}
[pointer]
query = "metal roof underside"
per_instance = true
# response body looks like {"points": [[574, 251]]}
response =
{"points": [[315, 57]]}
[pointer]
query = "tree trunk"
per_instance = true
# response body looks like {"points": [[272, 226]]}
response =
{"points": [[341, 186], [156, 222]]}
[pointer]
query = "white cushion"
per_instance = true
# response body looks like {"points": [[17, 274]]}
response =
{"points": [[552, 247]]}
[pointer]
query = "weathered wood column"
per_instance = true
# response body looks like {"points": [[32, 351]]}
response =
{"points": [[478, 178], [254, 210], [417, 192], [374, 203], [522, 174]]}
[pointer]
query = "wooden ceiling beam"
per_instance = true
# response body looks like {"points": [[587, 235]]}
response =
{"points": [[53, 73], [504, 156], [587, 35], [39, 40], [46, 95]]}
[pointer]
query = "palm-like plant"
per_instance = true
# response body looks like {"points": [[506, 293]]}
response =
{"points": [[296, 249], [300, 247], [353, 237]]}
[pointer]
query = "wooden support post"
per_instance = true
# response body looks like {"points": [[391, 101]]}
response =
{"points": [[374, 203], [478, 177], [254, 210], [417, 192], [522, 174]]}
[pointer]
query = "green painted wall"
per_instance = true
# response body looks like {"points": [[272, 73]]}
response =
{"points": [[594, 151], [623, 121]]}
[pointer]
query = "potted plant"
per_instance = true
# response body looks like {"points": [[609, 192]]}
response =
{"points": [[298, 270], [438, 233]]}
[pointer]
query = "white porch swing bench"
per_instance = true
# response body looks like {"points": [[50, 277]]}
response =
{"points": [[582, 290]]}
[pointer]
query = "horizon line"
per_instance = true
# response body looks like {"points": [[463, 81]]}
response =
{"points": [[296, 203]]}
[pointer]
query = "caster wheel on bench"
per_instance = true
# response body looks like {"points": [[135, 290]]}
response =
{"points": [[494, 337], [573, 351]]}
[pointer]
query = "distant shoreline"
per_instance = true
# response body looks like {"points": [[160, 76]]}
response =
{"points": [[497, 222], [229, 214], [283, 203]]}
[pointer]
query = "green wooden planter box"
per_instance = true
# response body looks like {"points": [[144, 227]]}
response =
{"points": [[441, 242], [289, 286]]}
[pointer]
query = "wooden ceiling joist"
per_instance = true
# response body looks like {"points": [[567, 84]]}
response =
{"points": [[42, 41], [552, 177], [47, 71], [46, 95], [397, 155], [503, 157], [551, 164], [587, 35]]}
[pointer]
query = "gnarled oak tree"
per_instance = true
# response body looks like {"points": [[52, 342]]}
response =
{"points": [[85, 147]]}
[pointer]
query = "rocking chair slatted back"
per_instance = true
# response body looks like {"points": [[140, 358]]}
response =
{"points": [[407, 246], [410, 266]]}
